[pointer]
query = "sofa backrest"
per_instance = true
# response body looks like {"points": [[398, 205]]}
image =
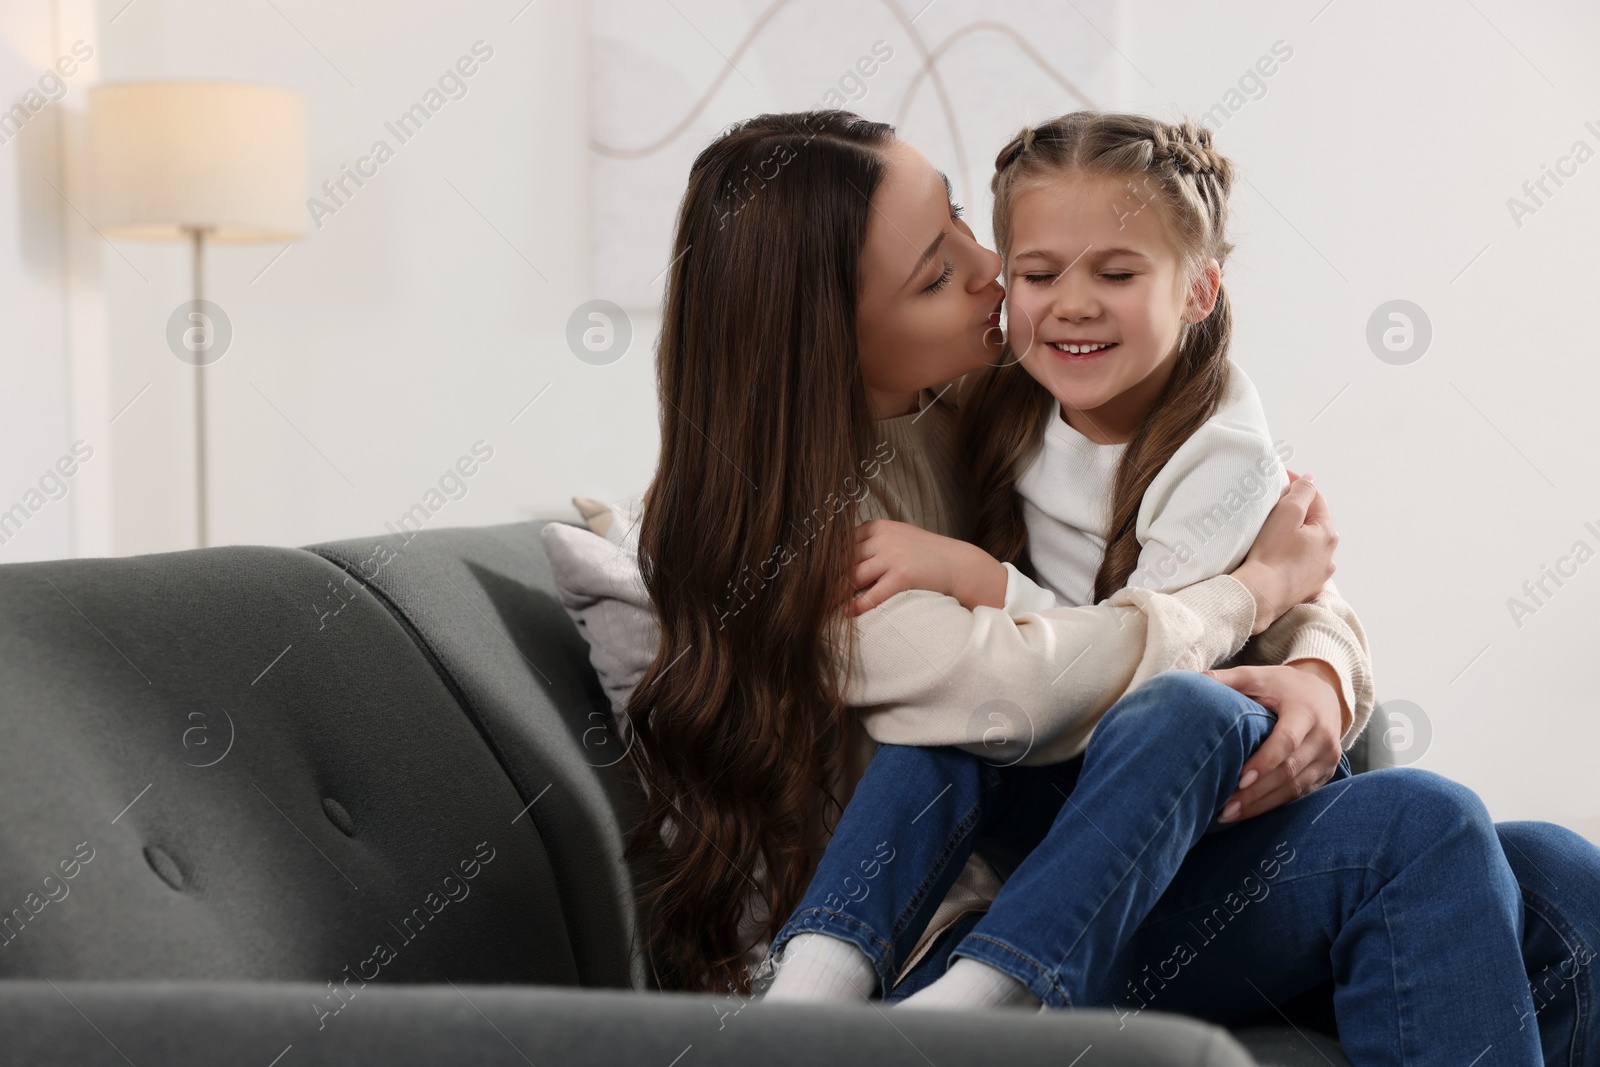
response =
{"points": [[481, 604], [242, 763], [380, 756]]}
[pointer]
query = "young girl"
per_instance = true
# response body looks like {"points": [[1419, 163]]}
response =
{"points": [[1117, 446]]}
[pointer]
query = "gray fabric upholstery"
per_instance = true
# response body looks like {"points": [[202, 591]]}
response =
{"points": [[1282, 1046], [1370, 752], [354, 785], [190, 1025], [481, 604], [242, 786]]}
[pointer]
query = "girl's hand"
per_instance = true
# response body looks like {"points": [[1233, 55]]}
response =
{"points": [[1302, 752], [892, 557], [1292, 555]]}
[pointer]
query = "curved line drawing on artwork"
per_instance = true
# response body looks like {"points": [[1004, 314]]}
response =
{"points": [[744, 45], [927, 70], [700, 105], [937, 79], [1005, 31]]}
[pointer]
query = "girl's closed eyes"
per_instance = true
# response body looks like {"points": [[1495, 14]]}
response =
{"points": [[1046, 279]]}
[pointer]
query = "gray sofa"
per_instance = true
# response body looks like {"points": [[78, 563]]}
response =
{"points": [[360, 803]]}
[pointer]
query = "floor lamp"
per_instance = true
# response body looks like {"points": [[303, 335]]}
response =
{"points": [[198, 162]]}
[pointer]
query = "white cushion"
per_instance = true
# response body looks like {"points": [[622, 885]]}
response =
{"points": [[598, 583]]}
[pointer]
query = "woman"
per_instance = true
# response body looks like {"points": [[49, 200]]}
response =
{"points": [[793, 331]]}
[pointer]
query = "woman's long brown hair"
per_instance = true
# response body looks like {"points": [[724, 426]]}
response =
{"points": [[747, 535], [1175, 168]]}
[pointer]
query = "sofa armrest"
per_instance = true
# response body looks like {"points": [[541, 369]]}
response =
{"points": [[290, 1024]]}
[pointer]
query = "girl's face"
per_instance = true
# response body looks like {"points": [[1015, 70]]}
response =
{"points": [[1093, 269], [929, 304]]}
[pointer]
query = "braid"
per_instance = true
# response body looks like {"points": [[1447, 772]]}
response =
{"points": [[1014, 148], [1188, 148]]}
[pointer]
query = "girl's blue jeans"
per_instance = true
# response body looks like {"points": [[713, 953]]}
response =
{"points": [[1444, 934]]}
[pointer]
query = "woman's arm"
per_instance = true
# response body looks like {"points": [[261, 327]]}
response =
{"points": [[1302, 752], [1326, 669], [1325, 630], [927, 671]]}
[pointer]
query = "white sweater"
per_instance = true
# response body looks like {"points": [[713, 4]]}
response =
{"points": [[1197, 519]]}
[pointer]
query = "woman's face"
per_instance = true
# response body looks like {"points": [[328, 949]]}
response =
{"points": [[929, 304]]}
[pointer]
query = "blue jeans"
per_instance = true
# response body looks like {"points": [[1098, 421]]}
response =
{"points": [[1122, 890]]}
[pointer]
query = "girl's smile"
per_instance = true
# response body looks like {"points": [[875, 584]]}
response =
{"points": [[1078, 350]]}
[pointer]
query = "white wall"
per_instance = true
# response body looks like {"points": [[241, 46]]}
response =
{"points": [[1376, 166], [37, 259]]}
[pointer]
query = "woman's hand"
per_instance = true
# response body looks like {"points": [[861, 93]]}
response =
{"points": [[892, 557], [1292, 555], [1302, 752]]}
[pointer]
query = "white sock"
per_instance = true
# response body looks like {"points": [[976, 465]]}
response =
{"points": [[971, 984], [817, 967]]}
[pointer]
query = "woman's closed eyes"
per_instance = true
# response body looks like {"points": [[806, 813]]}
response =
{"points": [[943, 279], [949, 268]]}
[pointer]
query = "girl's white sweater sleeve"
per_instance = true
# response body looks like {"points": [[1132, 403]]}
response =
{"points": [[1198, 518], [1203, 510]]}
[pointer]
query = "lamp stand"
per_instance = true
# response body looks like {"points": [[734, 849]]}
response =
{"points": [[202, 533]]}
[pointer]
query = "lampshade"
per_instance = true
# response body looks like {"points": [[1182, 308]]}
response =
{"points": [[226, 157]]}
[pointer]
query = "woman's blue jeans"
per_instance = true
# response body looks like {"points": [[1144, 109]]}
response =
{"points": [[1444, 934]]}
